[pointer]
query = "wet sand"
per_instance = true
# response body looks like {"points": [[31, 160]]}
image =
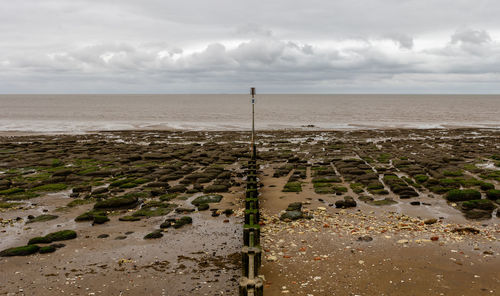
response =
{"points": [[318, 256]]}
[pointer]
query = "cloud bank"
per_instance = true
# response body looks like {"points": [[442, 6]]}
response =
{"points": [[286, 46]]}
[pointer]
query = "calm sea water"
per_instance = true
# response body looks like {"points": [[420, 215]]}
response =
{"points": [[79, 113]]}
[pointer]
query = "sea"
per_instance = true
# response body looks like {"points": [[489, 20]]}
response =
{"points": [[104, 112]]}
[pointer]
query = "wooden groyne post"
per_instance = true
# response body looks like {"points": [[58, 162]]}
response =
{"points": [[250, 283]]}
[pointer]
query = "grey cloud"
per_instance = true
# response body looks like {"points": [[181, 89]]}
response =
{"points": [[402, 40], [222, 45], [471, 36]]}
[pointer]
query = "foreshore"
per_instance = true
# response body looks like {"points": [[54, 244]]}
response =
{"points": [[382, 212]]}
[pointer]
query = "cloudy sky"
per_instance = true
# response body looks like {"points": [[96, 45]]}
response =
{"points": [[224, 46]]}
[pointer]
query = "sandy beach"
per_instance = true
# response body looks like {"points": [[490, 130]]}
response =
{"points": [[382, 212]]}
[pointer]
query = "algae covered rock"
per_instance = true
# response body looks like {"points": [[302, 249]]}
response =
{"points": [[39, 240], [463, 195], [47, 249], [183, 221], [293, 212], [478, 214], [100, 219], [122, 202], [294, 206], [20, 251], [205, 199], [155, 234], [42, 218], [216, 188], [348, 202], [53, 237], [292, 215], [482, 204], [493, 194], [62, 235], [129, 218]]}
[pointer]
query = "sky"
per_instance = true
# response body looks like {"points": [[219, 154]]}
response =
{"points": [[226, 46]]}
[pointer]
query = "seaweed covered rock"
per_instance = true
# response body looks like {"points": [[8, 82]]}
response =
{"points": [[293, 187], [478, 208], [348, 202], [39, 240], [20, 251], [463, 195], [294, 206], [183, 221], [129, 218], [477, 214], [168, 223], [62, 235], [92, 216], [53, 237], [493, 194], [291, 215], [81, 189], [216, 188], [42, 218], [100, 219], [155, 234], [177, 189], [293, 212], [127, 201], [482, 204], [206, 199], [47, 249]]}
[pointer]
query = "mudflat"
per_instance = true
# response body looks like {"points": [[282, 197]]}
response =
{"points": [[367, 212]]}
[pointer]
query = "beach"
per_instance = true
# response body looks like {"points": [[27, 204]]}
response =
{"points": [[376, 213]]}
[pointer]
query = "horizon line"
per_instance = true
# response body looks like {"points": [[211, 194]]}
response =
{"points": [[240, 93]]}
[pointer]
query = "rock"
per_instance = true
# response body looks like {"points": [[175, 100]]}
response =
{"points": [[81, 189], [100, 190], [125, 202], [20, 251], [100, 219], [216, 188], [403, 241], [478, 214], [183, 221], [130, 218], [63, 172], [53, 237], [291, 215], [205, 199], [430, 221], [463, 230], [41, 218], [348, 202], [294, 206], [365, 238], [184, 210], [47, 249], [271, 258], [154, 234]]}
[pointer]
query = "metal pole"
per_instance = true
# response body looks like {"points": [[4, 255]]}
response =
{"points": [[252, 91]]}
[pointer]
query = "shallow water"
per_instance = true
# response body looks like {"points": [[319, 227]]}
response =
{"points": [[80, 113]]}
